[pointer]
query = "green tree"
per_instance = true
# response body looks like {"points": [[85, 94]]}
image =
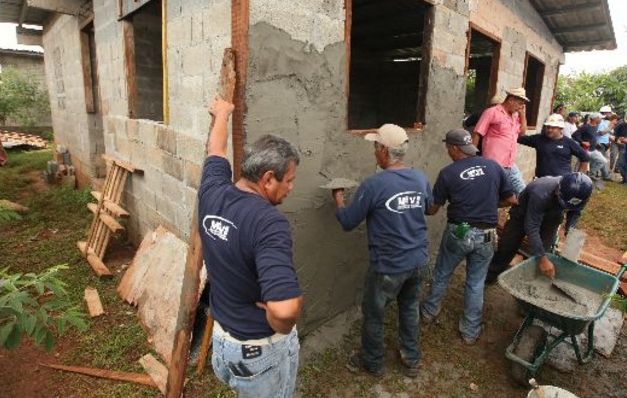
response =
{"points": [[21, 97], [36, 305], [588, 92]]}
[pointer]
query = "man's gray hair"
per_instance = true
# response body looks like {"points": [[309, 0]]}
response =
{"points": [[268, 153], [398, 154]]}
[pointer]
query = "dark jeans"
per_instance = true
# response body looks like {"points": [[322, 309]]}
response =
{"points": [[512, 237], [379, 291]]}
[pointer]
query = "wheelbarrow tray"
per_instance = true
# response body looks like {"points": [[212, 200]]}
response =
{"points": [[564, 318]]}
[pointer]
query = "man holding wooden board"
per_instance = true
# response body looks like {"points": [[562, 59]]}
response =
{"points": [[247, 247]]}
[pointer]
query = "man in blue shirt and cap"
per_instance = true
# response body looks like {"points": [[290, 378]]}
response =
{"points": [[538, 215], [474, 187], [393, 203]]}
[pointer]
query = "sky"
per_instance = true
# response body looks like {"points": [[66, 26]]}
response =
{"points": [[591, 61]]}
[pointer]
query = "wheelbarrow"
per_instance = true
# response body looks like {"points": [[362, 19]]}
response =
{"points": [[571, 315]]}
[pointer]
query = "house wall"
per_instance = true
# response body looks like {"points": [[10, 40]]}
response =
{"points": [[74, 128], [296, 88]]}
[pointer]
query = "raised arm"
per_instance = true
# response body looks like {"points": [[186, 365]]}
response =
{"points": [[218, 137], [522, 114]]}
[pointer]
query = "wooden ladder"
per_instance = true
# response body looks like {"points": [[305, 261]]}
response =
{"points": [[106, 212]]}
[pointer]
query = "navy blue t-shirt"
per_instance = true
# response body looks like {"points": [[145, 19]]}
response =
{"points": [[393, 203], [247, 247], [553, 157], [587, 133], [473, 187]]}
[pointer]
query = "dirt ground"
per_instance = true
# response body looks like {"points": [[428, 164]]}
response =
{"points": [[116, 341]]}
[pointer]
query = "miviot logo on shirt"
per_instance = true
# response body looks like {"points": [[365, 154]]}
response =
{"points": [[403, 201], [472, 172], [217, 227]]}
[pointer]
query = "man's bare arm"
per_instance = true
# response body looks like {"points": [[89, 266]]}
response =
{"points": [[510, 201], [433, 209], [475, 138], [282, 315], [522, 114], [584, 167], [218, 138]]}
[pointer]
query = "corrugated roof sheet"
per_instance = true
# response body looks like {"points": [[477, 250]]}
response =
{"points": [[578, 25]]}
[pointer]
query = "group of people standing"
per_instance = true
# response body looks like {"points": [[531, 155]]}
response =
{"points": [[255, 295]]}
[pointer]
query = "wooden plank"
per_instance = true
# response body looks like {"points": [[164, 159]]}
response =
{"points": [[138, 378], [129, 67], [98, 266], [204, 347], [114, 208], [193, 265], [93, 207], [94, 305], [123, 164], [111, 223], [623, 258], [90, 106], [601, 264], [156, 370]]}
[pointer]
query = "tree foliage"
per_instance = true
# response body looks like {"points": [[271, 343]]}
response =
{"points": [[21, 97], [36, 305], [589, 92]]}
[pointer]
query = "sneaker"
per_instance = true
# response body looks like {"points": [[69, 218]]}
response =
{"points": [[356, 364], [426, 318], [409, 369], [469, 340]]}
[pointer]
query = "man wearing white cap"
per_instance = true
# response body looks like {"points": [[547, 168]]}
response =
{"points": [[500, 127], [554, 151], [393, 203]]}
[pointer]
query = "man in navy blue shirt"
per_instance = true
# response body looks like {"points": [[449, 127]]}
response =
{"points": [[586, 136], [554, 152], [474, 187], [247, 247], [393, 203], [538, 214]]}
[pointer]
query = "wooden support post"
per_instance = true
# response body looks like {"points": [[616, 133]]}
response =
{"points": [[106, 374], [191, 278]]}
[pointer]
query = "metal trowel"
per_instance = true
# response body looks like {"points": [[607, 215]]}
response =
{"points": [[568, 292], [339, 183]]}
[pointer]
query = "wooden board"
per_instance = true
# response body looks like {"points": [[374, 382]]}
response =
{"points": [[156, 370], [94, 305], [138, 378], [153, 282]]}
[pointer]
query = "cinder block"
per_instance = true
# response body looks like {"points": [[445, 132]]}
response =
{"points": [[172, 166], [132, 130], [190, 148], [166, 139], [123, 147], [192, 174]]}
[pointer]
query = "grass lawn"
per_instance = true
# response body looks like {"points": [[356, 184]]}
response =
{"points": [[606, 216], [47, 236]]}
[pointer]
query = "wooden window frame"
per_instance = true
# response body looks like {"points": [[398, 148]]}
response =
{"points": [[496, 56], [422, 78], [535, 102], [88, 86]]}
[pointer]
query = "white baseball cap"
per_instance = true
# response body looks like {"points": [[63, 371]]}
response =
{"points": [[555, 120], [389, 135]]}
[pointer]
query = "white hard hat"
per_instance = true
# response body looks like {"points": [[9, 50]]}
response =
{"points": [[605, 108], [555, 120]]}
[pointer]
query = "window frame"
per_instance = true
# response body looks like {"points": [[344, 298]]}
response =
{"points": [[537, 97]]}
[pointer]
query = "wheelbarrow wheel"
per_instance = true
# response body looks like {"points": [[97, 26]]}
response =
{"points": [[531, 344]]}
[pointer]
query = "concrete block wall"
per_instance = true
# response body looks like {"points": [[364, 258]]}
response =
{"points": [[73, 127], [171, 155]]}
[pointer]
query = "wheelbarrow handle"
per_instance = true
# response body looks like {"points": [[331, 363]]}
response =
{"points": [[621, 271]]}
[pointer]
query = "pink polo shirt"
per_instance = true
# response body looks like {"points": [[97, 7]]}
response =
{"points": [[500, 132]]}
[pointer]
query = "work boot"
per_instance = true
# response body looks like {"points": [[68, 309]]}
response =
{"points": [[425, 317], [409, 369], [356, 364]]}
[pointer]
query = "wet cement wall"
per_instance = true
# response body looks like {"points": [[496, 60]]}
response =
{"points": [[296, 88]]}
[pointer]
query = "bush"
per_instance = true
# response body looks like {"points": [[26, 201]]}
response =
{"points": [[21, 98]]}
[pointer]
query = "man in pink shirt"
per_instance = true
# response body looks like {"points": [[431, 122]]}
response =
{"points": [[500, 127]]}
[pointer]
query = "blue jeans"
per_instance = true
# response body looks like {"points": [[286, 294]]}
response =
{"points": [[598, 164], [478, 255], [272, 374], [379, 291], [516, 179]]}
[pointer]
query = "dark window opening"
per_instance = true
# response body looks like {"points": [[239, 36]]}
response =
{"points": [[146, 74], [482, 72], [386, 41], [90, 69], [534, 78]]}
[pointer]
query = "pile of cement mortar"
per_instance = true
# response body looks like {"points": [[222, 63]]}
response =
{"points": [[541, 293]]}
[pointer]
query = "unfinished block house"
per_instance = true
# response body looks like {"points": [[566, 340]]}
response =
{"points": [[133, 79]]}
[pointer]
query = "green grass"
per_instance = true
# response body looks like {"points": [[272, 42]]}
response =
{"points": [[606, 217], [47, 236]]}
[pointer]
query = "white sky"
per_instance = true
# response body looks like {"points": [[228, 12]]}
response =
{"points": [[591, 61]]}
